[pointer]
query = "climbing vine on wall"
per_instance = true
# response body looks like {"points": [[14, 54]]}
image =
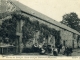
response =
{"points": [[30, 28], [8, 27]]}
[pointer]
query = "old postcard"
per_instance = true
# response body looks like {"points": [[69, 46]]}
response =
{"points": [[40, 29]]}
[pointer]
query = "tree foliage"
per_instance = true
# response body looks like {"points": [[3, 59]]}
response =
{"points": [[71, 20]]}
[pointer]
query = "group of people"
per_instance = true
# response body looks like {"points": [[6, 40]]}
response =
{"points": [[52, 50]]}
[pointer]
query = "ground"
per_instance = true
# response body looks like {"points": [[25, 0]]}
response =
{"points": [[76, 52]]}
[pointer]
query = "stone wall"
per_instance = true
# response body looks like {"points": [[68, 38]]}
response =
{"points": [[65, 35], [75, 38], [51, 39]]}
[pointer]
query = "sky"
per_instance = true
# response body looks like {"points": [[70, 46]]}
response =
{"points": [[54, 9]]}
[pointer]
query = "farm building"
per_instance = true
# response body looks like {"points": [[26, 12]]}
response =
{"points": [[34, 27]]}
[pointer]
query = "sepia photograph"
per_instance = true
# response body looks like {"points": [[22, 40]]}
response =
{"points": [[40, 28]]}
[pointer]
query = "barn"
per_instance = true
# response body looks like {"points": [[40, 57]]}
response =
{"points": [[34, 27]]}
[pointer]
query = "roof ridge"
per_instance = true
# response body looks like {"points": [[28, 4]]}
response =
{"points": [[42, 16]]}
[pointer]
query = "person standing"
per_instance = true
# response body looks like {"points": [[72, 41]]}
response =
{"points": [[40, 48], [62, 50], [58, 48], [52, 50]]}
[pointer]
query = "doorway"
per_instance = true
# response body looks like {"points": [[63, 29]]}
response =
{"points": [[64, 43], [73, 43]]}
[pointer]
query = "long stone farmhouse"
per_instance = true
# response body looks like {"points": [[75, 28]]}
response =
{"points": [[65, 35]]}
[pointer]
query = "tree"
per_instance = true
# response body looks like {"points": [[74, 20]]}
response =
{"points": [[72, 21]]}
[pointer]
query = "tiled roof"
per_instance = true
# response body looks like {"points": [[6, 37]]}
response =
{"points": [[42, 16]]}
